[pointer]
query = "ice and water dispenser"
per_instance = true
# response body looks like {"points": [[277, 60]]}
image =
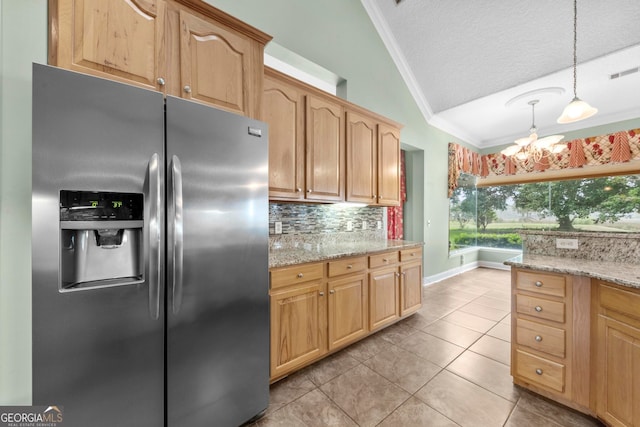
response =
{"points": [[101, 239]]}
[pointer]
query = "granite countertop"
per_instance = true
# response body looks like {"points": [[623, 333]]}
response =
{"points": [[620, 273], [309, 252]]}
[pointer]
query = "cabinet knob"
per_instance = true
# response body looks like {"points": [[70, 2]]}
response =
{"points": [[538, 284], [349, 267], [538, 308], [332, 291], [299, 190], [397, 274], [373, 197], [538, 338], [385, 260], [539, 371], [404, 273], [160, 81], [300, 275], [187, 89], [321, 293], [309, 190]]}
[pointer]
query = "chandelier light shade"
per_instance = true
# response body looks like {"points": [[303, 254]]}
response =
{"points": [[577, 109], [532, 148]]}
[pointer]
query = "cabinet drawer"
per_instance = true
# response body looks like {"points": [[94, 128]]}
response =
{"points": [[541, 337], [346, 266], [296, 274], [411, 254], [541, 308], [380, 260], [547, 284], [619, 300], [539, 370]]}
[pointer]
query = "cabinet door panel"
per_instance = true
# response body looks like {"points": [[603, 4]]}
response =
{"points": [[120, 40], [383, 298], [215, 64], [283, 110], [325, 150], [618, 372], [362, 143], [411, 288], [388, 166], [347, 310], [297, 319]]}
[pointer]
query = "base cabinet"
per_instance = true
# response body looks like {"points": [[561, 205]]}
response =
{"points": [[347, 310], [298, 319], [618, 356], [319, 308]]}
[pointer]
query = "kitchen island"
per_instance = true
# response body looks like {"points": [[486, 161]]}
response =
{"points": [[576, 322], [326, 295]]}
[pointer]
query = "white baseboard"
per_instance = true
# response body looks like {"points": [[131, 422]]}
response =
{"points": [[430, 280]]}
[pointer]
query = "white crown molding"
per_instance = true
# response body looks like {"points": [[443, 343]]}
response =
{"points": [[407, 75]]}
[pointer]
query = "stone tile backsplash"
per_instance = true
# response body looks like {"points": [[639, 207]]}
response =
{"points": [[616, 247], [312, 221]]}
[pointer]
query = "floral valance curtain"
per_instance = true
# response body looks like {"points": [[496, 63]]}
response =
{"points": [[619, 147]]}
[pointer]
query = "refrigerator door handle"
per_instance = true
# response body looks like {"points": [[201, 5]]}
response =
{"points": [[155, 236], [177, 234]]}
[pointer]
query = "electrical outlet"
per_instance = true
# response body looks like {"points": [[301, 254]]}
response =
{"points": [[278, 227], [379, 225], [349, 225], [364, 225], [567, 243]]}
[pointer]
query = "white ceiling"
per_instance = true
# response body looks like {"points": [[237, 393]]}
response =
{"points": [[465, 60]]}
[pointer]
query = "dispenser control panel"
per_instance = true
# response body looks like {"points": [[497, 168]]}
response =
{"points": [[100, 206]]}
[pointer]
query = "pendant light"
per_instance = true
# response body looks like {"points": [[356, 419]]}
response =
{"points": [[577, 109]]}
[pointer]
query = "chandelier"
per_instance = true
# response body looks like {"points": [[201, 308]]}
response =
{"points": [[531, 147], [577, 109]]}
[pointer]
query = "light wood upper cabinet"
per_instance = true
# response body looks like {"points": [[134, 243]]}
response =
{"points": [[283, 110], [325, 150], [215, 65], [120, 40], [388, 165], [184, 48], [362, 158]]}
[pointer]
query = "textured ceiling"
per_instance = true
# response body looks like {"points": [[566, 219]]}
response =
{"points": [[463, 60]]}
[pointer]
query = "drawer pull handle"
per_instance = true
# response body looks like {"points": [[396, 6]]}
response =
{"points": [[538, 308], [349, 267], [300, 275], [538, 338], [385, 260], [321, 293], [538, 284], [539, 371]]}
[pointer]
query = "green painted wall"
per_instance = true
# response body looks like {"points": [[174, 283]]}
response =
{"points": [[339, 36], [23, 41]]}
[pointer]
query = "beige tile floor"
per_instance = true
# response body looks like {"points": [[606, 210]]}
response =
{"points": [[447, 365]]}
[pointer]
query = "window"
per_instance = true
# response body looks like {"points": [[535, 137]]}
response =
{"points": [[608, 204]]}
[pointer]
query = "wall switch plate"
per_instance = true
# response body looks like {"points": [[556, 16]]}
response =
{"points": [[364, 225], [567, 243], [379, 225], [349, 225], [278, 227]]}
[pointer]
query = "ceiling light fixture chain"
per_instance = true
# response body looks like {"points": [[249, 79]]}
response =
{"points": [[577, 109]]}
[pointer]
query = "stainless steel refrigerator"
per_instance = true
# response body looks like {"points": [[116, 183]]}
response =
{"points": [[150, 256]]}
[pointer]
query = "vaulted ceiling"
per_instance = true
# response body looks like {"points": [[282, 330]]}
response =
{"points": [[472, 66]]}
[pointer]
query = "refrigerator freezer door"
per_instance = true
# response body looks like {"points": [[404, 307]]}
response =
{"points": [[217, 307], [97, 352]]}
